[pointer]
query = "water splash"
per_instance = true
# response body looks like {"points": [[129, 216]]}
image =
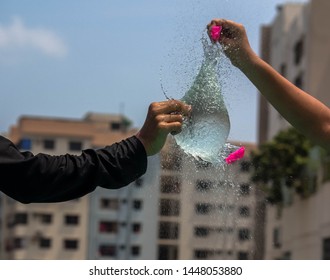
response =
{"points": [[205, 133]]}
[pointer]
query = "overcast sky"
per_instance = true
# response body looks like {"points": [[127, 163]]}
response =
{"points": [[66, 58]]}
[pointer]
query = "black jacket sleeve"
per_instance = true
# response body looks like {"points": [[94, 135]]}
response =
{"points": [[44, 178]]}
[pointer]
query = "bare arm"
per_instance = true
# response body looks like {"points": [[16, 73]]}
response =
{"points": [[303, 111]]}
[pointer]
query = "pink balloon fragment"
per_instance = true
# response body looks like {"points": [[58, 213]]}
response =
{"points": [[236, 155], [216, 32]]}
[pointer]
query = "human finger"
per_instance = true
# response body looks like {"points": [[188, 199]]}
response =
{"points": [[170, 106], [216, 21], [171, 127], [170, 118]]}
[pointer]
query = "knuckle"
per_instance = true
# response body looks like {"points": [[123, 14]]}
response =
{"points": [[172, 103], [153, 105], [153, 109]]}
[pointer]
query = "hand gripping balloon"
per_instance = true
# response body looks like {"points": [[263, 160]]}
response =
{"points": [[216, 32], [236, 155]]}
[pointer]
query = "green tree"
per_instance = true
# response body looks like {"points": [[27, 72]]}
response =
{"points": [[282, 161]]}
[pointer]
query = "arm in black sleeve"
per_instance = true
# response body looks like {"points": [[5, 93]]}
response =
{"points": [[43, 178]]}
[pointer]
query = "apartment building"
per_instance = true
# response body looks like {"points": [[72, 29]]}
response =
{"points": [[78, 229], [297, 45], [123, 223], [207, 212]]}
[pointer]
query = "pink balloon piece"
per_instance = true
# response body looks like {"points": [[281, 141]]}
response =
{"points": [[216, 32], [236, 155]]}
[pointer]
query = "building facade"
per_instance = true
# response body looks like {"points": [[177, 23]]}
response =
{"points": [[297, 45], [207, 212], [123, 223]]}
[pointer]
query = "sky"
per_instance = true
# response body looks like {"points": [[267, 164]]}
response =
{"points": [[66, 58]]}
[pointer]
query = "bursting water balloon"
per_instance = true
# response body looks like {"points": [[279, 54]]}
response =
{"points": [[205, 132]]}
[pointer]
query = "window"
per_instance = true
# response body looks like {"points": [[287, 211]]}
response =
{"points": [[203, 254], [139, 182], [168, 230], [326, 249], [299, 81], [135, 250], [108, 227], [107, 250], [283, 70], [326, 168], [45, 243], [277, 238], [203, 208], [21, 218], [19, 242], [136, 227], [75, 146], [244, 234], [245, 166], [71, 220], [70, 244], [167, 252], [244, 189], [218, 252], [202, 231], [25, 144], [171, 161], [244, 211], [298, 51], [287, 255], [243, 256], [137, 204], [109, 203], [203, 185], [49, 144], [169, 207], [46, 218], [170, 184], [115, 125], [201, 164]]}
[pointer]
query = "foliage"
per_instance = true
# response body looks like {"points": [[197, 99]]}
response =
{"points": [[282, 161]]}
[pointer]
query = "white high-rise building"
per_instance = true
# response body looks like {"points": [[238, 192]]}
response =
{"points": [[297, 45]]}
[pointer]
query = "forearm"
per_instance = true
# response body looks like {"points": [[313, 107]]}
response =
{"points": [[44, 178], [303, 111]]}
